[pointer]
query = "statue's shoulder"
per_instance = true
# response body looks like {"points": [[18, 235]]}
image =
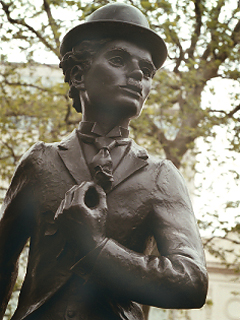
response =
{"points": [[37, 152], [42, 150]]}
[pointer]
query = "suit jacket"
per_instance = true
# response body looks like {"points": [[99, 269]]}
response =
{"points": [[148, 202]]}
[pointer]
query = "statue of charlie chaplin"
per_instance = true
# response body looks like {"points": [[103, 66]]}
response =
{"points": [[93, 204]]}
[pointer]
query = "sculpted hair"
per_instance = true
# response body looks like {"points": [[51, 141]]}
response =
{"points": [[82, 56]]}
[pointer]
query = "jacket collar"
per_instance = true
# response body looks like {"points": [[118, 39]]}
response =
{"points": [[93, 128], [72, 155]]}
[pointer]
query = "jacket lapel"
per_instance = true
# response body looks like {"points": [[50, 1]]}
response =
{"points": [[134, 159], [72, 155]]}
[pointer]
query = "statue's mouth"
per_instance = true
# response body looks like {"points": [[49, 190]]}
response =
{"points": [[135, 90]]}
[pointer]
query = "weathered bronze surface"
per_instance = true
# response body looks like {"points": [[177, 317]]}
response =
{"points": [[94, 204]]}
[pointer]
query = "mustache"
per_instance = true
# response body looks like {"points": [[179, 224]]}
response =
{"points": [[134, 84]]}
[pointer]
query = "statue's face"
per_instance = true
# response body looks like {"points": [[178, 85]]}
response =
{"points": [[119, 79]]}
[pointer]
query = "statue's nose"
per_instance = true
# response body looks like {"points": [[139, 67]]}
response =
{"points": [[136, 74]]}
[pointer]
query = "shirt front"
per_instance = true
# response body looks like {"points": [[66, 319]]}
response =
{"points": [[93, 129]]}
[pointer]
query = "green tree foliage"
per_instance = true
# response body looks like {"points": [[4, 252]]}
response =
{"points": [[203, 39]]}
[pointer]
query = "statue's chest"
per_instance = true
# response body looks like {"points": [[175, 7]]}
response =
{"points": [[128, 215]]}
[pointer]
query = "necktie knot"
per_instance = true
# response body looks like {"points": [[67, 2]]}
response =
{"points": [[101, 164], [104, 143]]}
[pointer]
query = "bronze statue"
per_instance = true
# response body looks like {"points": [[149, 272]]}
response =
{"points": [[94, 204]]}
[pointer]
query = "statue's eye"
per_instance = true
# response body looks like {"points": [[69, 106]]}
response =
{"points": [[147, 68], [116, 61]]}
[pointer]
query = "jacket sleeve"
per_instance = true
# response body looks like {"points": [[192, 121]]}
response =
{"points": [[16, 225], [177, 278]]}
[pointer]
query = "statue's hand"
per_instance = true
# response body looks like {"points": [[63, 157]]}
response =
{"points": [[82, 216]]}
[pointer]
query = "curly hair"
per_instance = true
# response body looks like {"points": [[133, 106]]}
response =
{"points": [[82, 56]]}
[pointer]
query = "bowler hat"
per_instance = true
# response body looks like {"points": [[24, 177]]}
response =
{"points": [[117, 21]]}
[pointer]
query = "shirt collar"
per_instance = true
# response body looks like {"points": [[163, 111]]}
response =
{"points": [[93, 128]]}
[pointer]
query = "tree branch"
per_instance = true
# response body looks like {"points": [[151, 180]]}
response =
{"points": [[23, 84], [221, 238], [162, 139], [197, 30], [219, 111], [52, 22], [21, 22], [223, 54], [214, 16], [15, 157], [236, 33], [175, 40], [206, 53], [235, 36], [227, 114], [180, 58], [231, 113]]}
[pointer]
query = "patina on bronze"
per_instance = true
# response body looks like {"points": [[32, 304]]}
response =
{"points": [[94, 204]]}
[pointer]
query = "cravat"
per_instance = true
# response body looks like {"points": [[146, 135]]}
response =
{"points": [[101, 164]]}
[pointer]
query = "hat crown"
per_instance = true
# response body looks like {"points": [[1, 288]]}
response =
{"points": [[119, 12], [117, 21]]}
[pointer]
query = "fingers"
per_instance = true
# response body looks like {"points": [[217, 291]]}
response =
{"points": [[82, 213], [59, 210], [87, 196], [69, 197], [65, 203], [90, 196]]}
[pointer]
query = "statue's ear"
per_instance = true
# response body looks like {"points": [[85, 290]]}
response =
{"points": [[77, 78]]}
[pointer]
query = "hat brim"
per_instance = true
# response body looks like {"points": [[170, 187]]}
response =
{"points": [[147, 38]]}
